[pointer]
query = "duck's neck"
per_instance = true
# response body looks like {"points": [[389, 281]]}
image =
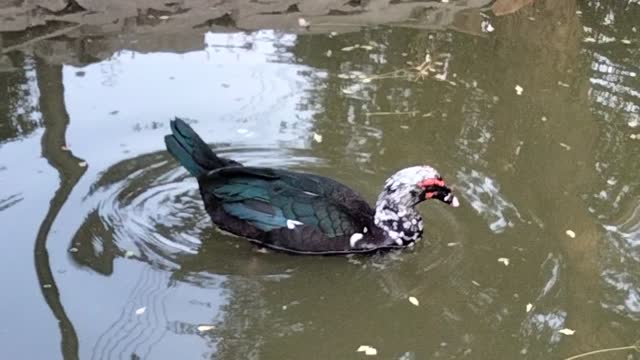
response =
{"points": [[401, 223]]}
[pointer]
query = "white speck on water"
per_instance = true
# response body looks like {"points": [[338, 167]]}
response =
{"points": [[242, 131], [163, 17], [414, 301], [567, 331], [368, 350], [205, 328], [519, 89], [529, 307], [570, 233], [317, 137], [565, 146], [504, 260], [141, 310], [302, 22]]}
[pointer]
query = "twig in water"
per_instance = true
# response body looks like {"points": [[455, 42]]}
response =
{"points": [[383, 113], [635, 347]]}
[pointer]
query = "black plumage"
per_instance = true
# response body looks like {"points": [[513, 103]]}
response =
{"points": [[280, 209]]}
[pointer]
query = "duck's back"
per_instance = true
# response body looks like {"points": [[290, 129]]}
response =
{"points": [[289, 210]]}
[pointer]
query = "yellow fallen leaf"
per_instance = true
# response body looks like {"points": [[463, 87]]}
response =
{"points": [[567, 331], [414, 301]]}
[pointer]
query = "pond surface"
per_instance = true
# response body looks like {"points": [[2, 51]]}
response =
{"points": [[107, 252]]}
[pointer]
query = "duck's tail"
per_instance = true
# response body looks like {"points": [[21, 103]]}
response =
{"points": [[190, 150]]}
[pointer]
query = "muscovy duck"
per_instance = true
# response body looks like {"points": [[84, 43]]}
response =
{"points": [[305, 213]]}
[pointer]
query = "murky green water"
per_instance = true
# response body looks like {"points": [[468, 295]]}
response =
{"points": [[107, 252]]}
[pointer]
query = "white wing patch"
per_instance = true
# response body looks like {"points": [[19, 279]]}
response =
{"points": [[355, 238], [291, 224]]}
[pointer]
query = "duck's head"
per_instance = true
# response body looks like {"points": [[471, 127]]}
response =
{"points": [[411, 186], [395, 213]]}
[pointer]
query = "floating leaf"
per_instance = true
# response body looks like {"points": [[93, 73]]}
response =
{"points": [[205, 328], [414, 301], [529, 307], [519, 89], [302, 22], [141, 310], [367, 350], [567, 331], [504, 260], [570, 233]]}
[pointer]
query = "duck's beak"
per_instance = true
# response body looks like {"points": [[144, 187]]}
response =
{"points": [[451, 200]]}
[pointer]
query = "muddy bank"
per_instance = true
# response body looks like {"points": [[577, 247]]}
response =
{"points": [[84, 31]]}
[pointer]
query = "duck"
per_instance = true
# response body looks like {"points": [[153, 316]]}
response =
{"points": [[304, 213]]}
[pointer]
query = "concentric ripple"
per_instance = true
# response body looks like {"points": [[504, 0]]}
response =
{"points": [[149, 209]]}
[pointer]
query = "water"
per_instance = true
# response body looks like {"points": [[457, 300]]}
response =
{"points": [[107, 252]]}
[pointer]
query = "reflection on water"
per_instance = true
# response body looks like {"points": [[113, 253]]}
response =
{"points": [[131, 265]]}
